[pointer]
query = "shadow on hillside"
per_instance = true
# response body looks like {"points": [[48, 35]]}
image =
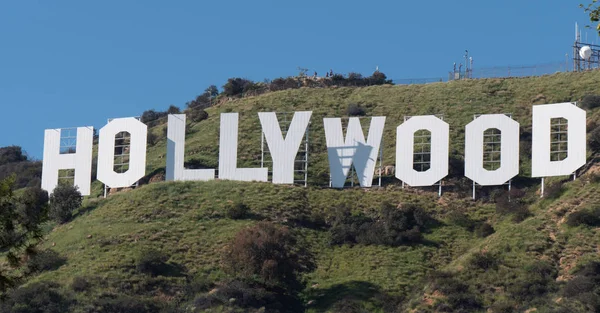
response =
{"points": [[351, 296], [172, 270], [90, 206]]}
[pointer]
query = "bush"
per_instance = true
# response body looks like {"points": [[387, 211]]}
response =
{"points": [[33, 208], [236, 86], [355, 110], [269, 252], [594, 139], [46, 260], [173, 110], [124, 304], [458, 297], [378, 78], [37, 298], [14, 162], [152, 118], [391, 226], [514, 206], [484, 230], [537, 280], [584, 217], [590, 102], [63, 201], [152, 262], [80, 284], [579, 285], [151, 138], [197, 115], [484, 261], [553, 191], [461, 219], [12, 154], [237, 210], [585, 285], [243, 294]]}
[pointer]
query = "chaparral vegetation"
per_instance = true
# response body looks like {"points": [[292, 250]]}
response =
{"points": [[224, 246]]}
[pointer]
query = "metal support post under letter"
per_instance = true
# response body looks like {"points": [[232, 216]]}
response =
{"points": [[542, 192]]}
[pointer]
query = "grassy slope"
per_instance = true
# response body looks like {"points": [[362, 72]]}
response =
{"points": [[185, 219]]}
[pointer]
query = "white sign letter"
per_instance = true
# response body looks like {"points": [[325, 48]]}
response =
{"points": [[228, 146], [541, 165], [175, 153], [509, 149], [284, 151], [353, 150], [81, 160], [137, 152], [439, 150]]}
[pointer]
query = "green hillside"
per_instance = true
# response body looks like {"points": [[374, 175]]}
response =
{"points": [[488, 255]]}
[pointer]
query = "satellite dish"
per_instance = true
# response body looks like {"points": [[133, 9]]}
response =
{"points": [[585, 52]]}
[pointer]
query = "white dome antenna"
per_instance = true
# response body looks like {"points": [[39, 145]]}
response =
{"points": [[585, 52]]}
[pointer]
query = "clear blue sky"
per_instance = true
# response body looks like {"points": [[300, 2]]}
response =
{"points": [[76, 63]]}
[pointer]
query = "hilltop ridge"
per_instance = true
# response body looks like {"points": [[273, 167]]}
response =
{"points": [[488, 255]]}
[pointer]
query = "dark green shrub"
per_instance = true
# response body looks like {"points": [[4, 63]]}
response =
{"points": [[40, 297], [80, 284], [63, 201], [590, 102], [461, 219], [589, 217], [585, 286], [12, 154], [579, 285], [152, 118], [484, 230], [484, 261], [173, 110], [151, 138], [463, 302], [236, 86], [391, 226], [124, 304], [504, 306], [46, 260], [458, 297], [243, 294], [348, 306], [33, 208], [268, 252], [15, 162], [152, 262], [553, 191], [197, 115], [237, 210], [355, 110], [378, 78], [538, 279], [594, 139], [515, 206]]}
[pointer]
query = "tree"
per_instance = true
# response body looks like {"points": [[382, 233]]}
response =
{"points": [[19, 233], [212, 91], [236, 86], [269, 252], [63, 201], [12, 154], [173, 110], [593, 10]]}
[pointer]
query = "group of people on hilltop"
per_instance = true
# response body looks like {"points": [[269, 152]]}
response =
{"points": [[327, 74]]}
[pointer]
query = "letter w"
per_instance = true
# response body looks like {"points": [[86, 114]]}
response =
{"points": [[353, 150]]}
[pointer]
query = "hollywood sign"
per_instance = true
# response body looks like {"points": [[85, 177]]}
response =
{"points": [[343, 151]]}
